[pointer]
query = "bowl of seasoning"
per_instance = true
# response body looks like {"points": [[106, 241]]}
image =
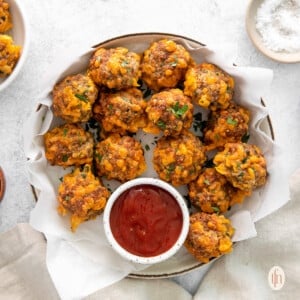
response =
{"points": [[146, 220], [274, 28]]}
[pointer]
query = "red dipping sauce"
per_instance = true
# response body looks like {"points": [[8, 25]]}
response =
{"points": [[146, 220]]}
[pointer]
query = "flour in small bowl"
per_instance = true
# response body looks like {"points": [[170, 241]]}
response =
{"points": [[278, 22]]}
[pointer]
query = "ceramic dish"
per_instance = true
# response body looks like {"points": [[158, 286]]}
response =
{"points": [[256, 38], [45, 178], [156, 183], [20, 35], [2, 184]]}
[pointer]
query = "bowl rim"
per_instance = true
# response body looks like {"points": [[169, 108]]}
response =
{"points": [[154, 182], [255, 37], [9, 79]]}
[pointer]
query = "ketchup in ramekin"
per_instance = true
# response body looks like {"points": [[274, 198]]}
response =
{"points": [[146, 220]]}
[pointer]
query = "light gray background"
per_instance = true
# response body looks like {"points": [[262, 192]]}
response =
{"points": [[59, 25]]}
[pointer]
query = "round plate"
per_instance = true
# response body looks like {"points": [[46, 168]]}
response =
{"points": [[182, 262], [257, 39]]}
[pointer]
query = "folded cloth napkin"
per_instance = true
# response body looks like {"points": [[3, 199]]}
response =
{"points": [[241, 275]]}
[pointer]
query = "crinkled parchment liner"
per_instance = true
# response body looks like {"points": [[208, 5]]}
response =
{"points": [[86, 254]]}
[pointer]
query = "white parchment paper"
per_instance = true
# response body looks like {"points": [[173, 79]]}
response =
{"points": [[82, 262]]}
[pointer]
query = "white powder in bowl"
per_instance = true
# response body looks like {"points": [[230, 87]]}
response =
{"points": [[278, 22]]}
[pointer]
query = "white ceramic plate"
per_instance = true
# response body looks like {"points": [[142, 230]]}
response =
{"points": [[182, 262], [20, 35], [257, 39]]}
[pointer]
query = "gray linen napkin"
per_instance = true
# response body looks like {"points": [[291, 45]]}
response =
{"points": [[24, 274]]}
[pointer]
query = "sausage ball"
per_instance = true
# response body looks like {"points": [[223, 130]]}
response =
{"points": [[120, 157], [212, 193], [68, 145], [209, 86], [178, 160], [164, 64], [209, 236], [115, 68], [81, 194], [226, 126], [169, 111], [243, 165], [5, 18], [121, 111], [9, 55], [74, 97]]}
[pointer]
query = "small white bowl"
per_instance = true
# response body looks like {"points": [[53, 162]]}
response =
{"points": [[141, 259], [19, 33], [256, 38]]}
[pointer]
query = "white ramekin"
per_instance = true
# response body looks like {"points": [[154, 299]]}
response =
{"points": [[140, 259]]}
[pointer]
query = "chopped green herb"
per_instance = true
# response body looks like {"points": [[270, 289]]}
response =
{"points": [[244, 160], [124, 64], [179, 111], [110, 107], [216, 209], [245, 138], [83, 175], [65, 131], [147, 147], [82, 97], [217, 137], [175, 62], [67, 198], [231, 121], [171, 167], [206, 181], [65, 158], [99, 156], [61, 179], [161, 124]]}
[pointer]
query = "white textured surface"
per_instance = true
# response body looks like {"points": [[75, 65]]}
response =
{"points": [[58, 25]]}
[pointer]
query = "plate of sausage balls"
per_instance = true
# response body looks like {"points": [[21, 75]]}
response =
{"points": [[163, 106]]}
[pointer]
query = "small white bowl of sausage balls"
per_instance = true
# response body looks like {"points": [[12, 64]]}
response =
{"points": [[13, 40]]}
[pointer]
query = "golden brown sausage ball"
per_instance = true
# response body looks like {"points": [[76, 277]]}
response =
{"points": [[5, 18], [120, 157], [9, 55], [169, 111], [209, 236], [178, 160], [68, 145], [209, 86], [74, 97], [121, 111], [81, 194], [115, 68], [212, 193], [164, 64], [243, 165], [226, 126]]}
